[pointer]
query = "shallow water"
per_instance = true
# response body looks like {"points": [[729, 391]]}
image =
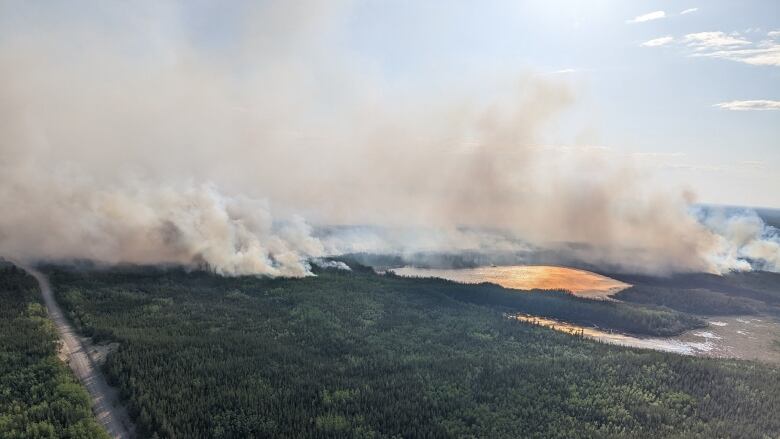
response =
{"points": [[671, 344], [744, 337], [528, 277]]}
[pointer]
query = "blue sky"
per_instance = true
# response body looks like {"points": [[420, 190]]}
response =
{"points": [[690, 89], [657, 101]]}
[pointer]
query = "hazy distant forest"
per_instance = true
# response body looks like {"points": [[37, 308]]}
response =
{"points": [[357, 354]]}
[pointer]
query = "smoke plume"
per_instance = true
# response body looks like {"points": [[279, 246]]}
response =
{"points": [[125, 138]]}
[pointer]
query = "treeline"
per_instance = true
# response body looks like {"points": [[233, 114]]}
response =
{"points": [[562, 305], [697, 301], [358, 355], [39, 398], [707, 294]]}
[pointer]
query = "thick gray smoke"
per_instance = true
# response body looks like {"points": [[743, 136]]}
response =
{"points": [[125, 139], [64, 217]]}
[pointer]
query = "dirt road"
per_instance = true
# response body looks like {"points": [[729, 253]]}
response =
{"points": [[105, 400]]}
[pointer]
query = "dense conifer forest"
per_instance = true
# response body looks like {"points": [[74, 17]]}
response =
{"points": [[356, 354], [736, 293], [39, 398]]}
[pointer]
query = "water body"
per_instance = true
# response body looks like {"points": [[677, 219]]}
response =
{"points": [[744, 337], [528, 277], [669, 344]]}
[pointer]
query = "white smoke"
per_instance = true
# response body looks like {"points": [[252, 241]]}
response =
{"points": [[336, 265], [57, 219], [123, 139], [745, 242]]}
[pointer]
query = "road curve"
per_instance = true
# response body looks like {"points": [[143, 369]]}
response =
{"points": [[105, 400]]}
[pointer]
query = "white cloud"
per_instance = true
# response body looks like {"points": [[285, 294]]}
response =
{"points": [[711, 40], [564, 71], [732, 46], [765, 55], [689, 11], [756, 105], [647, 17], [656, 42]]}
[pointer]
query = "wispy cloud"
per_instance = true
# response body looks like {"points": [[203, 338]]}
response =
{"points": [[656, 42], [563, 71], [753, 105], [647, 17], [689, 11], [735, 47], [766, 56], [709, 40]]}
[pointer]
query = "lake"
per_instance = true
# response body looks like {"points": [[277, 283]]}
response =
{"points": [[745, 337], [528, 277]]}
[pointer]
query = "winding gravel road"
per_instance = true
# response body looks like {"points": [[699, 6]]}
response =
{"points": [[105, 400]]}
